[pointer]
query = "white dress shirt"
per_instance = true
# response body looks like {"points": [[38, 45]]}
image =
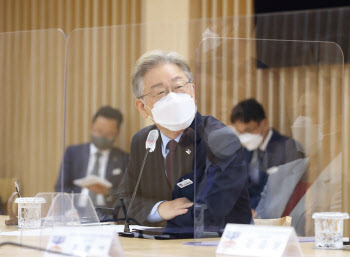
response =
{"points": [[266, 141], [254, 171], [262, 147], [100, 201], [154, 216]]}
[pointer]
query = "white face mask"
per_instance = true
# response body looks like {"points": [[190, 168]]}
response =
{"points": [[175, 112], [251, 141]]}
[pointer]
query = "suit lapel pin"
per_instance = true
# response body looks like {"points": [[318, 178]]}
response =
{"points": [[188, 151]]}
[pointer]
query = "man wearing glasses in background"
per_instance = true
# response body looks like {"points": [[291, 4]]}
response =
{"points": [[265, 152], [192, 150], [99, 157]]}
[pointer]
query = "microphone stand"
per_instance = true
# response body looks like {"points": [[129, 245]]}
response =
{"points": [[127, 231]]}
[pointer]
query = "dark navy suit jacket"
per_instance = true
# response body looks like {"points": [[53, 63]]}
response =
{"points": [[211, 156], [279, 150], [75, 162]]}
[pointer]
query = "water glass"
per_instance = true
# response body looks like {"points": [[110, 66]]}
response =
{"points": [[29, 212], [329, 229]]}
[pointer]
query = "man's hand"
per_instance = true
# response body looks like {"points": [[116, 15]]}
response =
{"points": [[254, 214], [98, 189], [170, 209]]}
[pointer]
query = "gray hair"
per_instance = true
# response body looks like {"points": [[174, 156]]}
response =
{"points": [[151, 59]]}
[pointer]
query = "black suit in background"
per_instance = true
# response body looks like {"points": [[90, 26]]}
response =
{"points": [[210, 155], [279, 150], [76, 159]]}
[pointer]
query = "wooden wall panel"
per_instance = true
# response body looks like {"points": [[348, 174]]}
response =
{"points": [[18, 15], [32, 81], [32, 89], [99, 63]]}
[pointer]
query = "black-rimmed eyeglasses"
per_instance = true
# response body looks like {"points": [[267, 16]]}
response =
{"points": [[159, 92]]}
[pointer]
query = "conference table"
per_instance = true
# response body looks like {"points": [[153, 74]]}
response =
{"points": [[145, 247]]}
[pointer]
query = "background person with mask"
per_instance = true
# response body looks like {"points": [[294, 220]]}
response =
{"points": [[162, 85], [99, 158], [265, 148]]}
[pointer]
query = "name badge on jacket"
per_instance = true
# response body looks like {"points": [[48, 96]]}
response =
{"points": [[184, 183]]}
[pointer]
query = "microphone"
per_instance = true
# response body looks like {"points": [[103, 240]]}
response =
{"points": [[151, 140], [150, 146]]}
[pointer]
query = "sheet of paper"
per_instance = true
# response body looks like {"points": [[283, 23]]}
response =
{"points": [[92, 180]]}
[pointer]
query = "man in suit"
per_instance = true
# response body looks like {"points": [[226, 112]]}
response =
{"points": [[192, 151], [99, 158], [265, 149]]}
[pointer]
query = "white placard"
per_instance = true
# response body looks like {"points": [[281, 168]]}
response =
{"points": [[82, 241], [262, 241]]}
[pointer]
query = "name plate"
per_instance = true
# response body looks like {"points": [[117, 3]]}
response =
{"points": [[84, 241], [262, 241]]}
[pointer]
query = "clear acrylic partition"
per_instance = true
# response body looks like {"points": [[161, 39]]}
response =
{"points": [[298, 171], [99, 66], [32, 66], [98, 72]]}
